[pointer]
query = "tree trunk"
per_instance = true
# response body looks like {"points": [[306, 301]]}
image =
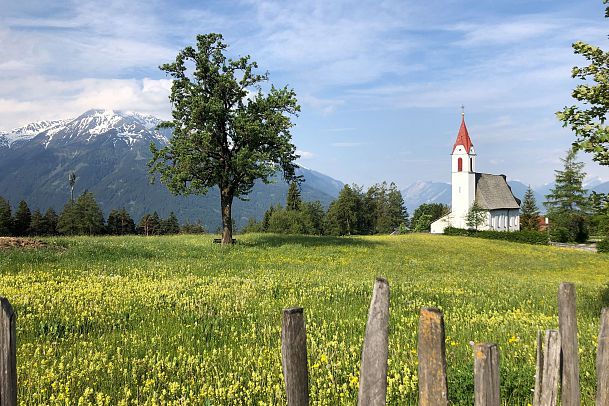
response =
{"points": [[226, 203]]}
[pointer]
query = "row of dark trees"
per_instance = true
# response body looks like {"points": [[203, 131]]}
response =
{"points": [[84, 217], [379, 210]]}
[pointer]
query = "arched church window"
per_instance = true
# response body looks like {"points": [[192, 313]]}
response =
{"points": [[460, 164], [471, 164]]}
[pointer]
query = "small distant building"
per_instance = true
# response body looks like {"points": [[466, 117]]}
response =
{"points": [[491, 192]]}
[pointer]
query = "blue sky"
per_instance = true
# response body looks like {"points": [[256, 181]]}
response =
{"points": [[380, 83]]}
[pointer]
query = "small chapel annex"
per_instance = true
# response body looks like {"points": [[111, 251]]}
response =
{"points": [[491, 192]]}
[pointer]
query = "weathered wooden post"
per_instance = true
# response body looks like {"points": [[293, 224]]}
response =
{"points": [[567, 325], [375, 353], [431, 349], [8, 355], [294, 357], [602, 361], [486, 375], [538, 371], [550, 374]]}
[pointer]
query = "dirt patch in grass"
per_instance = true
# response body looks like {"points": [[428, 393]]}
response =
{"points": [[14, 242]]}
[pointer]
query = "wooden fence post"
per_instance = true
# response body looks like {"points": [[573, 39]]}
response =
{"points": [[602, 361], [567, 322], [373, 371], [294, 357], [538, 371], [433, 386], [486, 375], [8, 355], [550, 374]]}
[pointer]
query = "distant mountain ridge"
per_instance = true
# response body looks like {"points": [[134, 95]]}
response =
{"points": [[439, 192], [108, 150]]}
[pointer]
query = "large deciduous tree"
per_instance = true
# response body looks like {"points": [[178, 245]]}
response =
{"points": [[227, 131], [588, 120]]}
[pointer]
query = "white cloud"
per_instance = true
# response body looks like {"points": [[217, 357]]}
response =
{"points": [[43, 98], [305, 154]]}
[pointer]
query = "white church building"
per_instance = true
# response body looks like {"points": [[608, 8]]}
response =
{"points": [[491, 192]]}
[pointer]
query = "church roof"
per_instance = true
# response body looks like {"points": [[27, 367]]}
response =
{"points": [[493, 192], [463, 137]]}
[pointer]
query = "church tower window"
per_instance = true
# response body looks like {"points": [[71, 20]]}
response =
{"points": [[460, 164]]}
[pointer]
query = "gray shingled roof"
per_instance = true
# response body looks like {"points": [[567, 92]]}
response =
{"points": [[493, 192]]}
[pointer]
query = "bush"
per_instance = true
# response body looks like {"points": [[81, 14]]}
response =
{"points": [[603, 246], [522, 236]]}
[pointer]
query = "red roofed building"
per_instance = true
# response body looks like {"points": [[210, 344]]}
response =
{"points": [[491, 192]]}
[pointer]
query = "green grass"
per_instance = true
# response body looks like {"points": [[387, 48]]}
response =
{"points": [[179, 320]]}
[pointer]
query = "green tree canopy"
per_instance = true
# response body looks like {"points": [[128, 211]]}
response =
{"points": [[529, 212], [6, 218], [567, 202], [92, 217], [476, 216], [599, 210], [227, 132], [69, 219], [120, 223], [150, 224], [50, 222], [345, 214], [37, 223], [588, 119], [170, 225], [293, 200], [426, 214], [23, 217], [82, 217]]}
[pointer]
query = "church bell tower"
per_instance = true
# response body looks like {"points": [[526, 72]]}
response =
{"points": [[463, 159]]}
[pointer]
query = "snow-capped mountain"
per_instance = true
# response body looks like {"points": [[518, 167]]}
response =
{"points": [[28, 132], [426, 192], [108, 150]]}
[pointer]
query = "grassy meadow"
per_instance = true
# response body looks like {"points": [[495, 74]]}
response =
{"points": [[178, 320]]}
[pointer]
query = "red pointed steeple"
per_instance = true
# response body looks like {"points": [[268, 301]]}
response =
{"points": [[463, 137]]}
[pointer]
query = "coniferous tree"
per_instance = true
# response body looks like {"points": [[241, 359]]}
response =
{"points": [[149, 224], [315, 214], [68, 220], [396, 211], [50, 222], [194, 228], [344, 213], [171, 225], [92, 218], [23, 217], [267, 217], [529, 215], [120, 223], [567, 202], [293, 200], [6, 218], [37, 224]]}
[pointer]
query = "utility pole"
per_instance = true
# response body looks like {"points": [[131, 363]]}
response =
{"points": [[72, 181]]}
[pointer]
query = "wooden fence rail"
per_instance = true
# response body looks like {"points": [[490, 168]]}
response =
{"points": [[556, 362]]}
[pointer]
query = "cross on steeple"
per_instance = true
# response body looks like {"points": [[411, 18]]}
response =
{"points": [[462, 111]]}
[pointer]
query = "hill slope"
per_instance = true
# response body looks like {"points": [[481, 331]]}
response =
{"points": [[108, 150]]}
